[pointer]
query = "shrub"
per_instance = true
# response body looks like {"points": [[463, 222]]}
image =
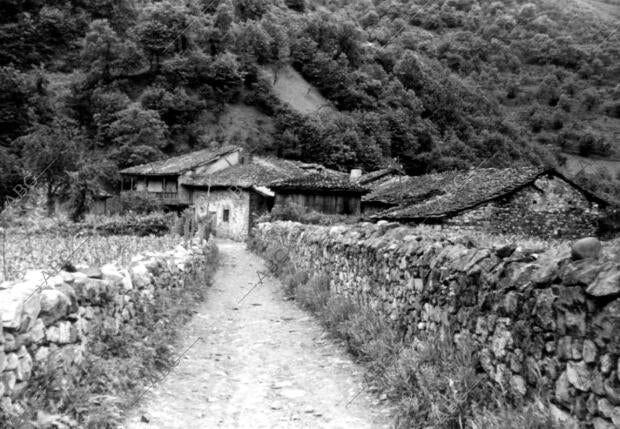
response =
{"points": [[590, 99], [139, 202], [152, 224], [298, 213], [612, 109]]}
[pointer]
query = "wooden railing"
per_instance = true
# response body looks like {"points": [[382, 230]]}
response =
{"points": [[166, 196]]}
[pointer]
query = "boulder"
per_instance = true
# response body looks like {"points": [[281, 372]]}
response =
{"points": [[586, 248], [583, 272], [562, 389], [517, 385], [606, 284], [579, 375], [604, 407], [92, 272], [11, 362], [63, 333], [8, 380], [54, 305], [140, 276], [600, 423], [24, 368], [562, 418], [589, 351]]}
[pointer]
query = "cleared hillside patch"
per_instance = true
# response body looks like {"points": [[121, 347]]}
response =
{"points": [[291, 88]]}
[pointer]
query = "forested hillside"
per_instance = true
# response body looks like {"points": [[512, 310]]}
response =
{"points": [[88, 87]]}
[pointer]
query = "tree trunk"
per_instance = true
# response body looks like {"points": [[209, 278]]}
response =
{"points": [[50, 201]]}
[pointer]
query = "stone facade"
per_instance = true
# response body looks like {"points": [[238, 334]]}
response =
{"points": [[228, 209], [541, 322], [550, 207], [48, 320]]}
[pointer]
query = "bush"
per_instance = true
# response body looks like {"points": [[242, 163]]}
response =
{"points": [[612, 109], [297, 213], [139, 202], [140, 225]]}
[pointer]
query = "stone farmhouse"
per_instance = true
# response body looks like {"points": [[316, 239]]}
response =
{"points": [[528, 200], [232, 188], [234, 197], [161, 178]]}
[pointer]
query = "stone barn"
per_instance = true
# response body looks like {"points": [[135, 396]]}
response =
{"points": [[235, 197], [527, 201], [326, 191]]}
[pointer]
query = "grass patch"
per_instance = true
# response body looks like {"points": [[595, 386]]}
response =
{"points": [[118, 366]]}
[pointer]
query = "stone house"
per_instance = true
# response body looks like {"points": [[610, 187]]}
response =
{"points": [[162, 178], [324, 191], [528, 201], [233, 198], [230, 188]]}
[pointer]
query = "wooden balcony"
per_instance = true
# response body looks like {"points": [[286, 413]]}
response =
{"points": [[167, 197]]}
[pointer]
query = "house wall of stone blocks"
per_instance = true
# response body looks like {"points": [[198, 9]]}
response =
{"points": [[549, 208]]}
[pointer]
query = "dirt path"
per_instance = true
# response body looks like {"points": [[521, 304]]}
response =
{"points": [[261, 364]]}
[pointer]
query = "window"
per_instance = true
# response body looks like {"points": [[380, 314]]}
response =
{"points": [[225, 215]]}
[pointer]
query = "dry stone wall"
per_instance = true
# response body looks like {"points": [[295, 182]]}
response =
{"points": [[540, 320], [48, 320]]}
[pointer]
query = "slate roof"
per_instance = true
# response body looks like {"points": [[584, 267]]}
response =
{"points": [[261, 171], [369, 179], [179, 164], [320, 181], [437, 196]]}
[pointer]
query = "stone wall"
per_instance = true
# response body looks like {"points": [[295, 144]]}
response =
{"points": [[47, 320], [541, 321]]}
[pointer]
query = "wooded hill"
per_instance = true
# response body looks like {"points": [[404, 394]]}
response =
{"points": [[91, 87]]}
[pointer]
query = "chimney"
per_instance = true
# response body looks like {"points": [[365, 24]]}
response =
{"points": [[356, 173]]}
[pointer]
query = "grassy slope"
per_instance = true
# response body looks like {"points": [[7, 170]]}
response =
{"points": [[291, 88]]}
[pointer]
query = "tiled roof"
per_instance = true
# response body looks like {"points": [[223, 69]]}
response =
{"points": [[261, 171], [180, 164], [442, 195], [320, 181], [370, 179]]}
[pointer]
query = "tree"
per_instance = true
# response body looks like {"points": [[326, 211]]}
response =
{"points": [[104, 52], [174, 108], [280, 49], [253, 44], [128, 156], [50, 152], [104, 106], [162, 28], [224, 16], [12, 184], [87, 181], [14, 96], [296, 5], [250, 9], [135, 126], [409, 71]]}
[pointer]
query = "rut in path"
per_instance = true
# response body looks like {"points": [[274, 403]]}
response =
{"points": [[263, 363]]}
